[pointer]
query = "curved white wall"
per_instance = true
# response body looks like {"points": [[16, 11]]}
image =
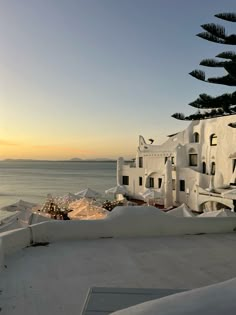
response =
{"points": [[121, 222]]}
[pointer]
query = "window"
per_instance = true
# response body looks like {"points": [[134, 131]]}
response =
{"points": [[213, 140], [159, 182], [173, 184], [203, 167], [140, 162], [172, 160], [193, 159], [234, 165], [151, 182], [125, 180], [196, 137], [213, 168], [182, 185], [140, 181]]}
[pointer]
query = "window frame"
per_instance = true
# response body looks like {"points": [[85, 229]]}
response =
{"points": [[182, 185], [213, 140], [140, 162], [125, 180], [193, 159], [151, 182]]}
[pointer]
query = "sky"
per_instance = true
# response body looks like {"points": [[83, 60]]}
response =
{"points": [[85, 78]]}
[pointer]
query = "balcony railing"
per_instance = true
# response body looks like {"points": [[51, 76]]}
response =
{"points": [[131, 164]]}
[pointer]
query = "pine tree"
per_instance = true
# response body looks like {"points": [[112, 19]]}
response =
{"points": [[224, 104]]}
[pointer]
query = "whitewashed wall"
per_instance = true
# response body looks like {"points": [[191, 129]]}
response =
{"points": [[122, 222]]}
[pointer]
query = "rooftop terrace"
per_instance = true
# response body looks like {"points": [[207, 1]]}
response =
{"points": [[54, 279]]}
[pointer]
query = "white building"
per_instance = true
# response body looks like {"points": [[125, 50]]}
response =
{"points": [[196, 166]]}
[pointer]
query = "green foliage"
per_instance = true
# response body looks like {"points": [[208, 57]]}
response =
{"points": [[224, 104], [198, 74], [231, 17], [211, 63], [227, 55], [178, 116]]}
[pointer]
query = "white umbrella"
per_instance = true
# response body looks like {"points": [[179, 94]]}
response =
{"points": [[70, 197], [19, 205], [87, 193], [151, 194], [116, 190]]}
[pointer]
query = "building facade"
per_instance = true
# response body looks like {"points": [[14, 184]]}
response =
{"points": [[196, 166]]}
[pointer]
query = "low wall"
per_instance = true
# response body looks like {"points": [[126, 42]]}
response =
{"points": [[68, 230], [12, 241], [1, 255], [130, 222], [121, 222]]}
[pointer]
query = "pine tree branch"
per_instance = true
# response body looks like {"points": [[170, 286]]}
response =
{"points": [[215, 29], [205, 101], [227, 55], [231, 17], [230, 67], [229, 40], [225, 104], [226, 80], [210, 37], [179, 116], [198, 74], [212, 63]]}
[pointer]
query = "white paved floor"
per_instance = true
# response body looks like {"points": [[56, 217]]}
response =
{"points": [[56, 278]]}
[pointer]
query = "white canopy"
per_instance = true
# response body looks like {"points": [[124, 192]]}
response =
{"points": [[181, 211], [151, 194], [119, 189], [87, 193]]}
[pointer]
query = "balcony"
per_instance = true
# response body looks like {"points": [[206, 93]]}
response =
{"points": [[131, 164]]}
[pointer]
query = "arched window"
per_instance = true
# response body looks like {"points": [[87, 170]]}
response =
{"points": [[213, 168], [196, 137], [193, 158], [203, 167], [213, 139]]}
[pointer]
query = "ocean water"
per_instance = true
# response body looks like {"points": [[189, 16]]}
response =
{"points": [[32, 181]]}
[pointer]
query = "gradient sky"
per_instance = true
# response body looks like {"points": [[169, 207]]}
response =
{"points": [[84, 78]]}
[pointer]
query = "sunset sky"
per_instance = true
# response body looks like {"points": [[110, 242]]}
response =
{"points": [[84, 78]]}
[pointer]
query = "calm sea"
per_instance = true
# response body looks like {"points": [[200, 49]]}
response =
{"points": [[32, 181]]}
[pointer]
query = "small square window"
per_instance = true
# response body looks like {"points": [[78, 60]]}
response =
{"points": [[151, 182], [192, 159], [140, 162], [125, 180], [182, 185], [213, 140]]}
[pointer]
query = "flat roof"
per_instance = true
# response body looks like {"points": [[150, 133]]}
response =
{"points": [[55, 279]]}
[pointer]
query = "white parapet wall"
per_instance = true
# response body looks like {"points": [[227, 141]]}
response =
{"points": [[1, 255], [69, 230], [140, 221], [130, 222], [13, 241]]}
